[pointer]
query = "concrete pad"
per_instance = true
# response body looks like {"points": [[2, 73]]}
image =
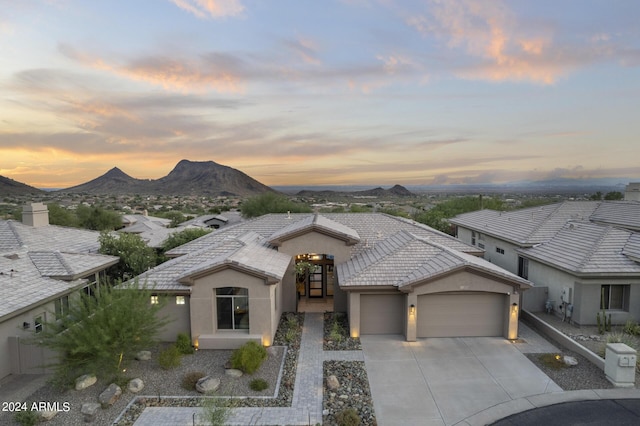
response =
{"points": [[556, 398], [384, 351], [453, 370], [459, 400], [514, 364], [524, 386], [618, 393], [441, 348]]}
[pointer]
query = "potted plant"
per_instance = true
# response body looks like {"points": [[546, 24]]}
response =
{"points": [[301, 271]]}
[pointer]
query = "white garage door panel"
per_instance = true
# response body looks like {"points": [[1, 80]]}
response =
{"points": [[381, 314], [461, 315]]}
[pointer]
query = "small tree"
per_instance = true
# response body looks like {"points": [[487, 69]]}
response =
{"points": [[102, 332], [97, 218], [135, 256], [183, 237], [270, 202]]}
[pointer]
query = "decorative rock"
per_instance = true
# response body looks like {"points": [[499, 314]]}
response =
{"points": [[233, 372], [85, 381], [332, 382], [47, 415], [89, 410], [110, 395], [344, 397], [570, 361], [207, 384], [135, 385], [143, 356]]}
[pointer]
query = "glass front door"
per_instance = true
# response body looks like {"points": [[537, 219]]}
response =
{"points": [[315, 281]]}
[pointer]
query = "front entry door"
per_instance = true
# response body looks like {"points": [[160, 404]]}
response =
{"points": [[315, 281]]}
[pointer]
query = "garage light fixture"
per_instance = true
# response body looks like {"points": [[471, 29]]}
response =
{"points": [[412, 309]]}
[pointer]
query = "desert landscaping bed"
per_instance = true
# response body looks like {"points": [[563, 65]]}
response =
{"points": [[348, 389], [336, 333]]}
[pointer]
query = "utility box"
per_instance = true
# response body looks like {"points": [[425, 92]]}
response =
{"points": [[620, 365]]}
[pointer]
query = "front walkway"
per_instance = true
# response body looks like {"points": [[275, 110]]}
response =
{"points": [[306, 407]]}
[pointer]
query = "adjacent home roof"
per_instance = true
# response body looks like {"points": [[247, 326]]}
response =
{"points": [[405, 259], [246, 252], [624, 214], [526, 227], [585, 248], [42, 263], [370, 228]]}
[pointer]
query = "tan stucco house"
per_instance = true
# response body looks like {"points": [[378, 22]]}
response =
{"points": [[41, 267], [391, 275]]}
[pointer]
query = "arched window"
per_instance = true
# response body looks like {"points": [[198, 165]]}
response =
{"points": [[232, 306]]}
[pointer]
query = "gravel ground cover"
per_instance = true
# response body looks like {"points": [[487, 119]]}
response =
{"points": [[336, 333], [353, 392], [161, 385], [585, 375]]}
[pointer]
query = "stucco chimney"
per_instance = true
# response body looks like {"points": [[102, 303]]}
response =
{"points": [[35, 214]]}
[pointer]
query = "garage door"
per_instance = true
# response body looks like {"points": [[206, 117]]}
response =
{"points": [[381, 314], [461, 315]]}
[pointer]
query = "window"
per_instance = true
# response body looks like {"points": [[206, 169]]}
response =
{"points": [[614, 297], [523, 267], [154, 300], [62, 306], [499, 250], [473, 238], [232, 306], [180, 300], [480, 245], [37, 322]]}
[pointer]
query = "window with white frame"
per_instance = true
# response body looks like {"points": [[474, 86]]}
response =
{"points": [[499, 250], [155, 300], [62, 306], [232, 308], [614, 297], [38, 324], [473, 238], [180, 300]]}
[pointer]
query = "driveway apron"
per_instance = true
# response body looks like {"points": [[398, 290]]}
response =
{"points": [[442, 381]]}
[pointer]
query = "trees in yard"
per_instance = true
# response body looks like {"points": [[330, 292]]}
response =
{"points": [[270, 202], [183, 237], [97, 218], [101, 332], [437, 216], [135, 256]]}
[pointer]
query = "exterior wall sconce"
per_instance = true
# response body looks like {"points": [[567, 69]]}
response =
{"points": [[412, 309], [514, 309]]}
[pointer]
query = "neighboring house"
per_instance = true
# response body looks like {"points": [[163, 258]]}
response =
{"points": [[391, 275], [632, 192], [41, 266], [153, 230], [580, 255]]}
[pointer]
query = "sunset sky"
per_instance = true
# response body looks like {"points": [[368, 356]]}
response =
{"points": [[297, 92]]}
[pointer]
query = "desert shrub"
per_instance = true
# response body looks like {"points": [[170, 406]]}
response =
{"points": [[336, 331], [632, 327], [183, 343], [348, 417], [290, 335], [216, 411], [248, 357], [258, 384], [170, 357], [190, 379], [26, 418]]}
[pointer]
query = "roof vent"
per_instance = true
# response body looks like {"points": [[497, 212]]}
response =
{"points": [[13, 256]]}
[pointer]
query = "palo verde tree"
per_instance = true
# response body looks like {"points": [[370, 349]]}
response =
{"points": [[100, 333], [135, 255]]}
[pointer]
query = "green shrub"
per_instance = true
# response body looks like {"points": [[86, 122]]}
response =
{"points": [[183, 343], [348, 417], [190, 379], [336, 331], [26, 418], [290, 335], [249, 357], [632, 327], [258, 385], [170, 357]]}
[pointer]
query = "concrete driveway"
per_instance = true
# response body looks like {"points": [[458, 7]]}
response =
{"points": [[442, 381]]}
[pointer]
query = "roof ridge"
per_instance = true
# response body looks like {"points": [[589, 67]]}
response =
{"points": [[595, 246], [63, 261], [16, 234], [543, 222]]}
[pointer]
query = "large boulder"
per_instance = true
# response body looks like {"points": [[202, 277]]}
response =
{"points": [[143, 356], [570, 361], [47, 415], [110, 395], [85, 381], [232, 372], [135, 385], [332, 382], [207, 384]]}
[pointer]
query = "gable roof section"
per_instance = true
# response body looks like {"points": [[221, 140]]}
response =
{"points": [[245, 252], [315, 223], [527, 227], [405, 259], [69, 266], [624, 214], [584, 248], [632, 248]]}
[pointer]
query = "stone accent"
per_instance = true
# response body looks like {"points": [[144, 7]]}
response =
{"points": [[143, 356], [232, 372], [135, 385], [207, 384], [332, 382], [47, 415], [89, 410], [85, 381], [110, 395], [569, 360]]}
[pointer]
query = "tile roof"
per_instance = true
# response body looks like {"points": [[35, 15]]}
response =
{"points": [[632, 248], [30, 258], [625, 214], [405, 259], [317, 223], [245, 251], [588, 248]]}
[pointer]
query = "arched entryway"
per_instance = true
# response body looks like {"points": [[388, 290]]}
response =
{"points": [[315, 282]]}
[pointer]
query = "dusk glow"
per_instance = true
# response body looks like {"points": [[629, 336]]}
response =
{"points": [[321, 92]]}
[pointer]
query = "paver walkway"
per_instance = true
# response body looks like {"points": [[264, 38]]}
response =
{"points": [[306, 406]]}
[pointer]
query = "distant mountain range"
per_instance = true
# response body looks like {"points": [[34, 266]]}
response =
{"points": [[13, 187], [395, 191], [187, 178]]}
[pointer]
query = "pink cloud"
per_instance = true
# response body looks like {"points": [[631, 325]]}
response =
{"points": [[205, 9]]}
